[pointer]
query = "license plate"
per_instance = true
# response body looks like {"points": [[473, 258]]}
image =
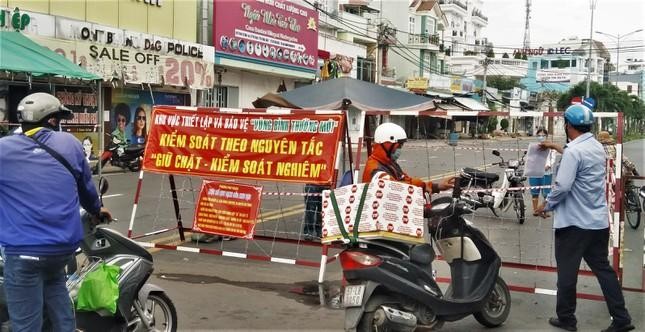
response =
{"points": [[353, 296]]}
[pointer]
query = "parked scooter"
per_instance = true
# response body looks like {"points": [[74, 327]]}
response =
{"points": [[499, 198], [141, 306], [390, 285], [121, 155]]}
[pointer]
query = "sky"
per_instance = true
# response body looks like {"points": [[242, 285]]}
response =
{"points": [[553, 20]]}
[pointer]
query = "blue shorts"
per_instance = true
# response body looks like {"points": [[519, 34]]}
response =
{"points": [[543, 181]]}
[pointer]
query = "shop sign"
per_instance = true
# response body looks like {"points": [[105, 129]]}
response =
{"points": [[461, 85], [552, 76], [82, 102], [134, 66], [96, 33], [13, 20], [299, 148], [157, 3], [229, 209], [273, 31], [541, 51], [417, 84]]}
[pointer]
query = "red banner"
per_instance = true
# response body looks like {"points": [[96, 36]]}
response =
{"points": [[228, 209], [253, 145]]}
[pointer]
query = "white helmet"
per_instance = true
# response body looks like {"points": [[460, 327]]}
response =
{"points": [[389, 132], [38, 106]]}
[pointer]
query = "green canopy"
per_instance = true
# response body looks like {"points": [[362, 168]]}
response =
{"points": [[20, 54]]}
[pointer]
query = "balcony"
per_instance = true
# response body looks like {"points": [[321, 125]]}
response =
{"points": [[479, 18], [454, 5], [424, 41]]}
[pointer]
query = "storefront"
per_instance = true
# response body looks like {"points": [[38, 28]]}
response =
{"points": [[261, 47], [138, 68]]}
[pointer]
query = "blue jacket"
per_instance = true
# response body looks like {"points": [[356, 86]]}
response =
{"points": [[39, 200]]}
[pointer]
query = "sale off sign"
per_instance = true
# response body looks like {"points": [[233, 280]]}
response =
{"points": [[255, 145], [227, 209]]}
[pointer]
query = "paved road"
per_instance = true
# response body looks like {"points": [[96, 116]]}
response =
{"points": [[223, 293]]}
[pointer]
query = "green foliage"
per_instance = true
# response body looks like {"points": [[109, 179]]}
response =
{"points": [[504, 124], [502, 82], [608, 99], [491, 124], [517, 55], [490, 53]]}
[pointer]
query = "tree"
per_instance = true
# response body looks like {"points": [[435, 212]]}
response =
{"points": [[490, 53], [517, 55], [504, 124], [502, 82], [505, 56], [608, 99]]}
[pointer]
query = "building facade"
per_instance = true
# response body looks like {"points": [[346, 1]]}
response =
{"points": [[559, 66], [145, 52]]}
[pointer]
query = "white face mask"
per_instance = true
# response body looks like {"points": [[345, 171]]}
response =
{"points": [[396, 154], [541, 138]]}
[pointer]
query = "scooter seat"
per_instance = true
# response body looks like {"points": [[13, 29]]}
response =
{"points": [[489, 177], [422, 254]]}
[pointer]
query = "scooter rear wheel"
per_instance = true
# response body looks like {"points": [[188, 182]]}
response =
{"points": [[497, 308]]}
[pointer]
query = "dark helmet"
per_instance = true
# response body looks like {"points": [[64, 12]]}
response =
{"points": [[39, 106]]}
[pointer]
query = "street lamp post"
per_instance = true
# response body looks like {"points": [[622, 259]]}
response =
{"points": [[593, 6], [618, 37]]}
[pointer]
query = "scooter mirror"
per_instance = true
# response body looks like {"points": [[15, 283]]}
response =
{"points": [[495, 152], [103, 185]]}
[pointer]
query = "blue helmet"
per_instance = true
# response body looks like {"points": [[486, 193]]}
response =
{"points": [[578, 115]]}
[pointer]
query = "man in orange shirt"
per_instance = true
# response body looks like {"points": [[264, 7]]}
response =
{"points": [[388, 142]]}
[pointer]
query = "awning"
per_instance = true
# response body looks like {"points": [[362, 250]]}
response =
{"points": [[329, 95], [471, 104], [20, 54]]}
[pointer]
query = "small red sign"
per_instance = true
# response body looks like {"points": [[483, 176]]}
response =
{"points": [[228, 209]]}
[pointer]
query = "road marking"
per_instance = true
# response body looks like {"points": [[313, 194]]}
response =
{"points": [[113, 195], [280, 210]]}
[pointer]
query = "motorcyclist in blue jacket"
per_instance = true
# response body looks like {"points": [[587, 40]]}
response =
{"points": [[39, 213]]}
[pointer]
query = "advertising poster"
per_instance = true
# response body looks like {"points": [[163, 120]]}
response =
{"points": [[131, 110], [272, 31], [300, 147], [227, 209], [83, 103]]}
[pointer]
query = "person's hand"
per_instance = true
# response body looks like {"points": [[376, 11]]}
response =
{"points": [[549, 145], [540, 210], [447, 183], [104, 215]]}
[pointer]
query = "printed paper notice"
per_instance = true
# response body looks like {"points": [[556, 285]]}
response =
{"points": [[535, 161]]}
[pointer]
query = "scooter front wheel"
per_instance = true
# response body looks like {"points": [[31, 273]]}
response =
{"points": [[159, 312], [497, 308]]}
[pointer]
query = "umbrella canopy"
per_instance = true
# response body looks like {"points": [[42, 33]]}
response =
{"points": [[22, 55], [330, 94]]}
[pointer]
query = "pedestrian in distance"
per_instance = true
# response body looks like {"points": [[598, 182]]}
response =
{"points": [[581, 222], [389, 139], [39, 213], [542, 134]]}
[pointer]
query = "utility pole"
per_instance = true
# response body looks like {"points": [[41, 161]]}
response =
{"points": [[593, 6], [484, 87]]}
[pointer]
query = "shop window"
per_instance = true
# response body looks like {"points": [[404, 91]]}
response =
{"points": [[221, 96], [365, 69], [560, 63], [544, 64]]}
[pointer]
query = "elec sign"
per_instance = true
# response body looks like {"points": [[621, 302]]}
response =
{"points": [[157, 3]]}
